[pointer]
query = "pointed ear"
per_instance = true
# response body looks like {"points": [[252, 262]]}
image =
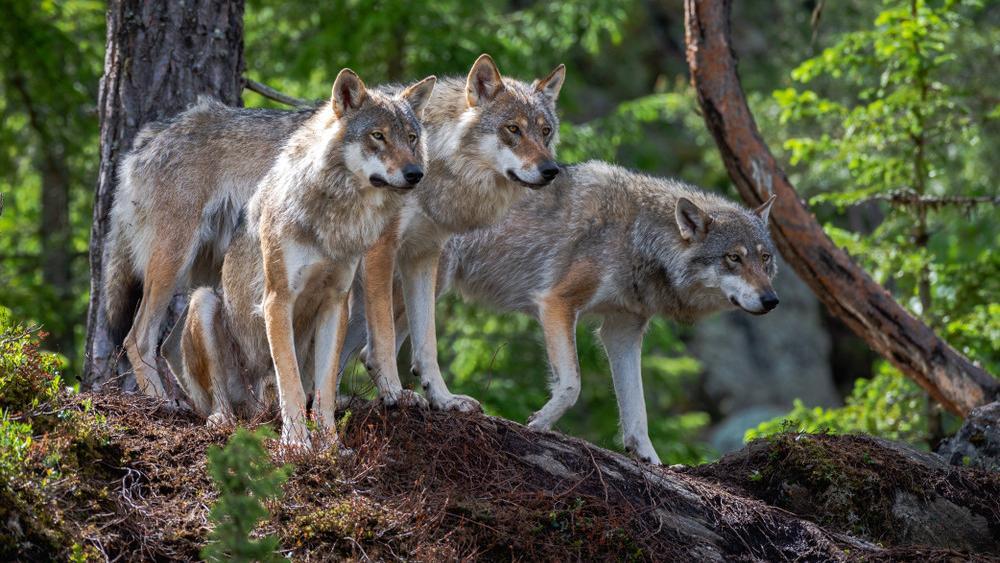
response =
{"points": [[484, 81], [348, 92], [765, 209], [551, 84], [692, 222], [419, 94]]}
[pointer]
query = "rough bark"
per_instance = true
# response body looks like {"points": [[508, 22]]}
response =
{"points": [[846, 290], [160, 57]]}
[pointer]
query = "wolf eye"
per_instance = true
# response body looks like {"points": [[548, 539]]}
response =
{"points": [[514, 129], [765, 257], [413, 138], [378, 136], [546, 131], [733, 257]]}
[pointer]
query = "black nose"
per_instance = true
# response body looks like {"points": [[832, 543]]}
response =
{"points": [[769, 300], [548, 170], [412, 173]]}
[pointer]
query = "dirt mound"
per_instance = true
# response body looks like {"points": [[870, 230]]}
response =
{"points": [[430, 486]]}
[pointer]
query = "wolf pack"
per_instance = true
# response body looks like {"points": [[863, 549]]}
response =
{"points": [[304, 236]]}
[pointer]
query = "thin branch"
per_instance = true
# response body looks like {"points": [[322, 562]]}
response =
{"points": [[910, 198], [272, 94]]}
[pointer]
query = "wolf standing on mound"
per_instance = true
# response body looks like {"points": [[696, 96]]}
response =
{"points": [[623, 246], [337, 183], [491, 140]]}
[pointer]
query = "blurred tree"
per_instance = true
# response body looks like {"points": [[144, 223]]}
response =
{"points": [[47, 86]]}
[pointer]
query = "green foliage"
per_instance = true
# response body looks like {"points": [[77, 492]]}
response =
{"points": [[52, 53], [897, 111], [888, 405], [47, 451], [245, 477]]}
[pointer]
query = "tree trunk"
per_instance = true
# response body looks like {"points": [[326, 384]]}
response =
{"points": [[846, 290], [160, 57]]}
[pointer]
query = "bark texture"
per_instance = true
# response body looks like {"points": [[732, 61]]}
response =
{"points": [[160, 57], [846, 290]]}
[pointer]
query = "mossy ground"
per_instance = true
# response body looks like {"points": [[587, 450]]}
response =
{"points": [[850, 483]]}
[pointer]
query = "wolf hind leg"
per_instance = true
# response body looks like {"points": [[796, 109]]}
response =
{"points": [[622, 339], [558, 319], [205, 375]]}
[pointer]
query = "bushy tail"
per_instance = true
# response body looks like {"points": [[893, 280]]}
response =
{"points": [[122, 288]]}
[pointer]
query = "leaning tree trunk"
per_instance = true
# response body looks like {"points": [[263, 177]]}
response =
{"points": [[846, 290], [160, 57]]}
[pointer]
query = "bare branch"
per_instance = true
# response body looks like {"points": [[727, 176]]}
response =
{"points": [[272, 94]]}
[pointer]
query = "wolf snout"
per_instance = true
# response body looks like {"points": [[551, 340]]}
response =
{"points": [[413, 174], [548, 170], [769, 300], [377, 181]]}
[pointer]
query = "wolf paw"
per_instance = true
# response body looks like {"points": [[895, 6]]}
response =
{"points": [[539, 421], [404, 398], [218, 420], [295, 437], [458, 403], [642, 452]]}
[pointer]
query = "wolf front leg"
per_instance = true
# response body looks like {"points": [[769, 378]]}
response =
{"points": [[622, 339], [331, 328], [280, 339], [380, 357], [419, 276], [558, 318]]}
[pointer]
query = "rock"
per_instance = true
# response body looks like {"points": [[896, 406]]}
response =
{"points": [[727, 436], [977, 442]]}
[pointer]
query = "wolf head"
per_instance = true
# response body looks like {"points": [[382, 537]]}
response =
{"points": [[382, 138], [515, 123], [728, 249]]}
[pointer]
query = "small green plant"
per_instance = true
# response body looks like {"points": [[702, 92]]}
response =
{"points": [[245, 477]]}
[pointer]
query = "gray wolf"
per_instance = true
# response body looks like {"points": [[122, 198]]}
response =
{"points": [[339, 180], [491, 140], [182, 188], [621, 246]]}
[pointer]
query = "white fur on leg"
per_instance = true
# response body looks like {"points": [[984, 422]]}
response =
{"points": [[622, 339], [418, 295], [329, 339]]}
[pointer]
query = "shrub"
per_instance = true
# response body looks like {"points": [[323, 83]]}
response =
{"points": [[245, 477]]}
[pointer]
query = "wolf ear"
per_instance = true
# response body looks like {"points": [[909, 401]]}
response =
{"points": [[348, 92], [765, 209], [692, 222], [419, 94], [484, 81], [551, 84]]}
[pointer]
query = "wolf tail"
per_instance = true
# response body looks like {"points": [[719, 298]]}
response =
{"points": [[122, 288]]}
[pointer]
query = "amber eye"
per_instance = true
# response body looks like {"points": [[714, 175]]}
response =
{"points": [[733, 257], [514, 129], [765, 257], [413, 139], [378, 136], [546, 131]]}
